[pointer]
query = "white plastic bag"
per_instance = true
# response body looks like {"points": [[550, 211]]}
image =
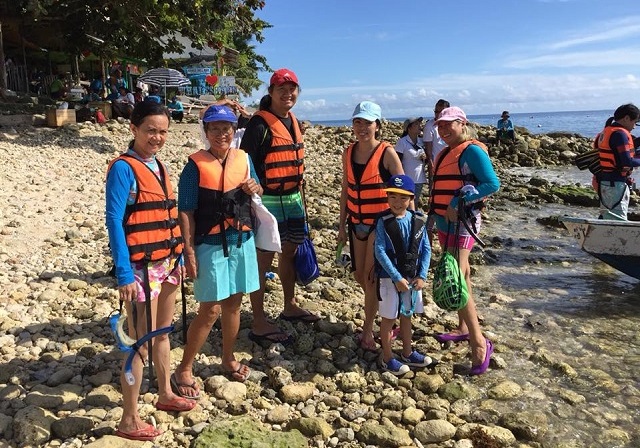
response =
{"points": [[265, 227]]}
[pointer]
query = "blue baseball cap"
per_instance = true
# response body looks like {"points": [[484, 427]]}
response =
{"points": [[368, 111], [219, 113], [402, 184]]}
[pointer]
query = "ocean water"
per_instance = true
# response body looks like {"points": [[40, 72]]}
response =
{"points": [[586, 123]]}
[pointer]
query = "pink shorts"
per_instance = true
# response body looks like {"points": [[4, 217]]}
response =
{"points": [[464, 241], [163, 271]]}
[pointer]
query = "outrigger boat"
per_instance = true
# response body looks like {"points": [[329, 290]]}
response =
{"points": [[616, 243]]}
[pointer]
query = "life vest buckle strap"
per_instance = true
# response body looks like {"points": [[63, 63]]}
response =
{"points": [[170, 223], [365, 201], [365, 187], [290, 147], [283, 180], [149, 248], [286, 163], [166, 204]]}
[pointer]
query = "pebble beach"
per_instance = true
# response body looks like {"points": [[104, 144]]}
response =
{"points": [[59, 370]]}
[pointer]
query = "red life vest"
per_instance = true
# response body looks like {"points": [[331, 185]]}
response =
{"points": [[284, 161], [151, 222], [448, 178], [608, 155], [366, 197], [221, 201]]}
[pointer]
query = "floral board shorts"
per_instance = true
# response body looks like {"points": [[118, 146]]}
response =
{"points": [[163, 271]]}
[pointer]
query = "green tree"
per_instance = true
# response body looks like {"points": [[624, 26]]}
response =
{"points": [[145, 29]]}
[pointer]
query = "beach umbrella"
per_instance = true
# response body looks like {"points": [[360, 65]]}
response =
{"points": [[166, 77]]}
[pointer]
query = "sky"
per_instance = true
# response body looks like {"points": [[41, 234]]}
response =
{"points": [[482, 55]]}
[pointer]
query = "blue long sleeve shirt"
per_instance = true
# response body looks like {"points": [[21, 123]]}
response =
{"points": [[383, 242], [121, 190], [474, 160]]}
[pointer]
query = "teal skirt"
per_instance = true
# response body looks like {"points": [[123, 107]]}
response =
{"points": [[220, 277]]}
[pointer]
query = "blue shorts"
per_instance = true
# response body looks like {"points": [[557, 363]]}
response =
{"points": [[220, 277]]}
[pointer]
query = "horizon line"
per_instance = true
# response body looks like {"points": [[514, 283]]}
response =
{"points": [[400, 119]]}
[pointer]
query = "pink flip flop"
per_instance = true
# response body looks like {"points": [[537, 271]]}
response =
{"points": [[146, 434]]}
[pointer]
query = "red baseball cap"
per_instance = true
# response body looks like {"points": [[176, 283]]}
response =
{"points": [[283, 75]]}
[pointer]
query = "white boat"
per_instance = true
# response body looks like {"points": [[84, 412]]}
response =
{"points": [[616, 243]]}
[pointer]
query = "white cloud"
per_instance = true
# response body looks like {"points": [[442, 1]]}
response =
{"points": [[477, 94], [607, 58], [619, 29], [318, 104], [593, 44]]}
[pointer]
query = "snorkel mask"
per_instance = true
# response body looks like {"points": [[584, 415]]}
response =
{"points": [[126, 344], [123, 341]]}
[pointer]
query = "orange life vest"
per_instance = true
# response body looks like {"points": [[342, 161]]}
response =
{"points": [[151, 222], [221, 201], [284, 161], [366, 197], [608, 155], [448, 178]]}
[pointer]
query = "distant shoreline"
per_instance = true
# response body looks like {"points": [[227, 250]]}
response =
{"points": [[586, 123]]}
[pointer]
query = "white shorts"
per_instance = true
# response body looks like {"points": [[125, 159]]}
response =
{"points": [[390, 300]]}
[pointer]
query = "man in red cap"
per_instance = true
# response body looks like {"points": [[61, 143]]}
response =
{"points": [[273, 139]]}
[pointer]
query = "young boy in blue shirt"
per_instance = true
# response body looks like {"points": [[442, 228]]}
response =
{"points": [[402, 253]]}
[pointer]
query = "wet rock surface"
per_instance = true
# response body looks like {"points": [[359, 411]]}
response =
{"points": [[59, 371]]}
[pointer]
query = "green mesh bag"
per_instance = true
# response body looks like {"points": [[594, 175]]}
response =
{"points": [[449, 286]]}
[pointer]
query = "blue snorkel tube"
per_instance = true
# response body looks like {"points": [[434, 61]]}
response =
{"points": [[126, 344]]}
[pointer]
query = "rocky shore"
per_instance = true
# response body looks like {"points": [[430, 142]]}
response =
{"points": [[59, 371]]}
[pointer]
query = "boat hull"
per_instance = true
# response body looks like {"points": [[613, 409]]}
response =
{"points": [[617, 243]]}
